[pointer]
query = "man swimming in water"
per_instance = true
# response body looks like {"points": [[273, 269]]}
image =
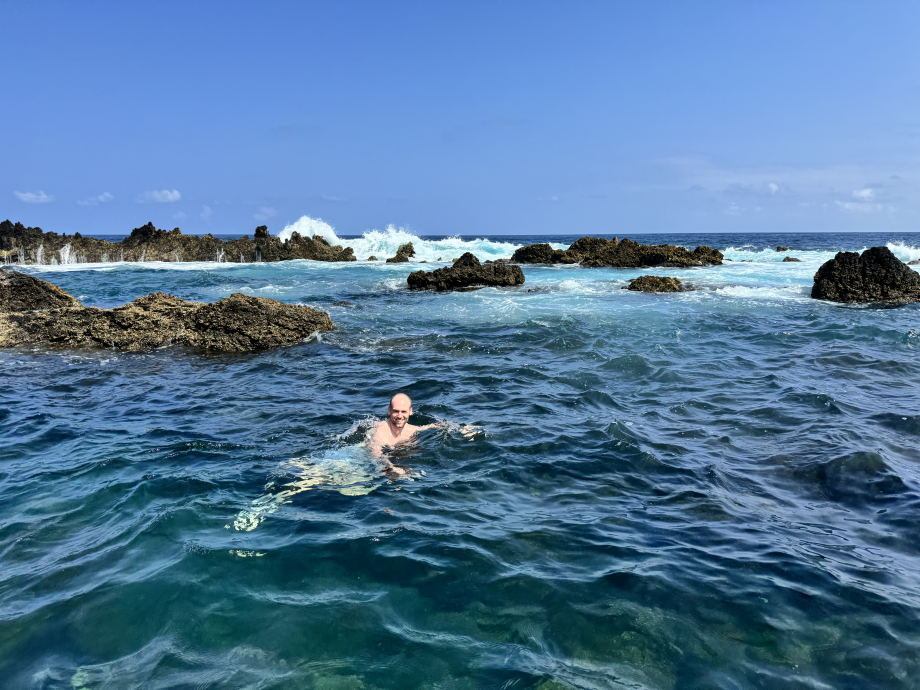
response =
{"points": [[395, 430]]}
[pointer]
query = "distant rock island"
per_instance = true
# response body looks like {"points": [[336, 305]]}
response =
{"points": [[597, 252], [22, 245], [33, 311]]}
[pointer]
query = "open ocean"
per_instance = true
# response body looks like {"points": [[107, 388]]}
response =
{"points": [[712, 489]]}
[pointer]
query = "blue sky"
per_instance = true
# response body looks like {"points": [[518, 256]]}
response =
{"points": [[462, 118]]}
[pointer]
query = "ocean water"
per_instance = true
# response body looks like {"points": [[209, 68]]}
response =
{"points": [[713, 489]]}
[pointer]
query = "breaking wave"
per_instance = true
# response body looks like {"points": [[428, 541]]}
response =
{"points": [[384, 243]]}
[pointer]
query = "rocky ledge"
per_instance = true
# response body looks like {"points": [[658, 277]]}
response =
{"points": [[597, 252], [235, 323], [22, 292], [22, 245], [655, 284], [875, 276], [467, 272]]}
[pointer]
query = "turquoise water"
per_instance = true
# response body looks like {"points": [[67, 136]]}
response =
{"points": [[714, 489]]}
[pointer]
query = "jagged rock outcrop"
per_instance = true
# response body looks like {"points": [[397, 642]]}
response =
{"points": [[597, 252], [467, 272], [655, 284], [792, 259], [403, 254], [22, 245], [875, 276], [541, 254], [20, 292], [236, 323], [781, 248]]}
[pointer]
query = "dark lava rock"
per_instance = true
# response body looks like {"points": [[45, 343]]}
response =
{"points": [[597, 252], [236, 323], [782, 249], [655, 284], [915, 262], [402, 254], [343, 303], [541, 254], [372, 258], [791, 258], [148, 243], [875, 276], [467, 272], [20, 292]]}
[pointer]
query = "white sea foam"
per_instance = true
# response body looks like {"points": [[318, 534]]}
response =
{"points": [[310, 227], [905, 252], [384, 243]]}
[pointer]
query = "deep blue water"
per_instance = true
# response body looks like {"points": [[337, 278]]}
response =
{"points": [[713, 489]]}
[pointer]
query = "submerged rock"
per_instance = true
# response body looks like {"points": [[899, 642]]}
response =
{"points": [[655, 284], [24, 245], [782, 249], [597, 252], [875, 276], [236, 323], [20, 292], [792, 258], [372, 258], [467, 272], [403, 254]]}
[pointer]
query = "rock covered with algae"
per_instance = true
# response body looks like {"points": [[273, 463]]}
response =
{"points": [[236, 323]]}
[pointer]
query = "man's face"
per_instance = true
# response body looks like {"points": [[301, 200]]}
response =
{"points": [[400, 410]]}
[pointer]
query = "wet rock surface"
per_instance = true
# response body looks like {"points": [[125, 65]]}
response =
{"points": [[655, 284], [597, 252], [236, 323], [467, 272], [403, 254], [781, 248], [876, 275], [21, 292], [791, 259], [19, 244]]}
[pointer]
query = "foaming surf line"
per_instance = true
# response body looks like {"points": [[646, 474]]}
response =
{"points": [[384, 243]]}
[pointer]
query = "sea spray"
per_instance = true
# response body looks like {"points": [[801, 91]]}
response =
{"points": [[385, 243]]}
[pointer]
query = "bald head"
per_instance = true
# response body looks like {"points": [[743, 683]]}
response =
{"points": [[400, 399]]}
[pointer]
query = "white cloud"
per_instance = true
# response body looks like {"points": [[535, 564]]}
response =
{"points": [[181, 215], [773, 187], [159, 196], [863, 207], [206, 212], [265, 212], [96, 200], [864, 194], [35, 197]]}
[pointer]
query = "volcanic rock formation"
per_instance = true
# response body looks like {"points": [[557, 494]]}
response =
{"points": [[875, 276], [403, 254], [597, 252], [467, 272], [22, 245], [20, 292], [655, 284], [235, 323], [792, 259]]}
